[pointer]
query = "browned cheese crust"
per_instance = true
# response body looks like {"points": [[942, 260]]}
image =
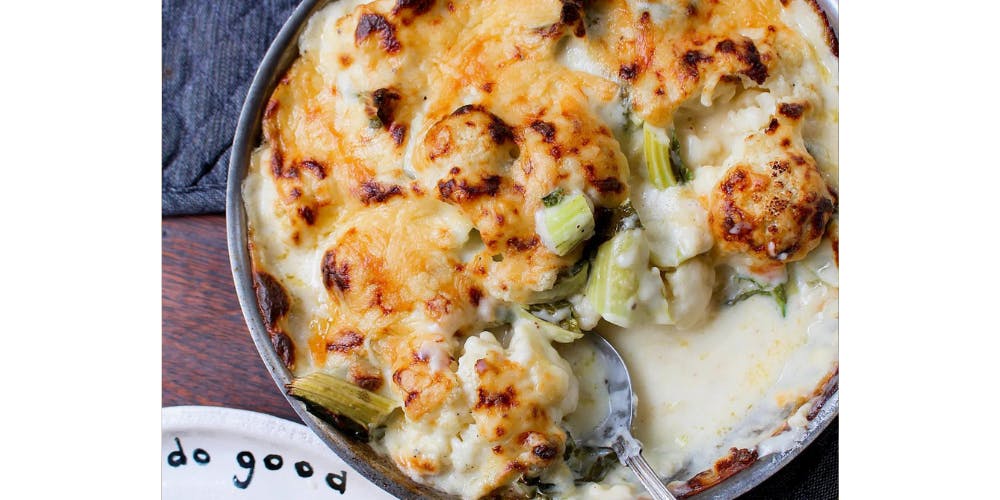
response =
{"points": [[775, 207]]}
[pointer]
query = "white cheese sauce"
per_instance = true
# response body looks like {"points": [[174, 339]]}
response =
{"points": [[731, 382]]}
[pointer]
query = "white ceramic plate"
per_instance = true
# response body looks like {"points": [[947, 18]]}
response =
{"points": [[220, 453]]}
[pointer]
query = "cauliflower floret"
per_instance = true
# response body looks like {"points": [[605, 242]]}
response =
{"points": [[676, 224], [772, 204], [691, 288], [517, 398]]}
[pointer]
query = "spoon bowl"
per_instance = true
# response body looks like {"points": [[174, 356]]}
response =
{"points": [[620, 396]]}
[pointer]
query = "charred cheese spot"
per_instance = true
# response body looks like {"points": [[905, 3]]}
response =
{"points": [[553, 31], [830, 36], [522, 245], [603, 185], [771, 126], [571, 16], [284, 347], [278, 168], [271, 109], [373, 191], [412, 7], [398, 133], [692, 59], [475, 295], [737, 460], [746, 53], [369, 381], [272, 299], [571, 19], [546, 129], [345, 341], [545, 451], [792, 110], [335, 275], [628, 72], [542, 448], [315, 167], [375, 25], [381, 105], [462, 190], [307, 214], [497, 401]]}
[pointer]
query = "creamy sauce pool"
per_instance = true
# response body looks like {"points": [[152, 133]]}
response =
{"points": [[732, 382], [729, 383]]}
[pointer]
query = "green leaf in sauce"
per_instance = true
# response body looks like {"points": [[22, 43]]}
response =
{"points": [[748, 287], [533, 487], [781, 298], [681, 171], [588, 463]]}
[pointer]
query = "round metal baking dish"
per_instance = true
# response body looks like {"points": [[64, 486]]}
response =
{"points": [[373, 466]]}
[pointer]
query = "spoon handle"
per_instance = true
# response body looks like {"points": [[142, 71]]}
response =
{"points": [[631, 455], [648, 478]]}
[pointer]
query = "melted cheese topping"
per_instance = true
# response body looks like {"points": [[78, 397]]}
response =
{"points": [[393, 205]]}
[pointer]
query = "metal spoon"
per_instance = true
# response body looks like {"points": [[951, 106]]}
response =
{"points": [[615, 431]]}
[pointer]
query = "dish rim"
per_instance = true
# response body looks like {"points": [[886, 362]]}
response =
{"points": [[375, 468]]}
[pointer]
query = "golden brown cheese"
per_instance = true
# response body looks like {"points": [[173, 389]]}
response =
{"points": [[372, 274], [774, 206], [669, 51], [510, 416], [424, 387]]}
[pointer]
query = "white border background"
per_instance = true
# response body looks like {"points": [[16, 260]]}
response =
{"points": [[80, 215], [920, 187], [80, 248]]}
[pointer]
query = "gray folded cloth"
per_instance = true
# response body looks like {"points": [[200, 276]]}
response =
{"points": [[210, 53]]}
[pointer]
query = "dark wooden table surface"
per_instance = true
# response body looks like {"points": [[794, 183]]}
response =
{"points": [[209, 358]]}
